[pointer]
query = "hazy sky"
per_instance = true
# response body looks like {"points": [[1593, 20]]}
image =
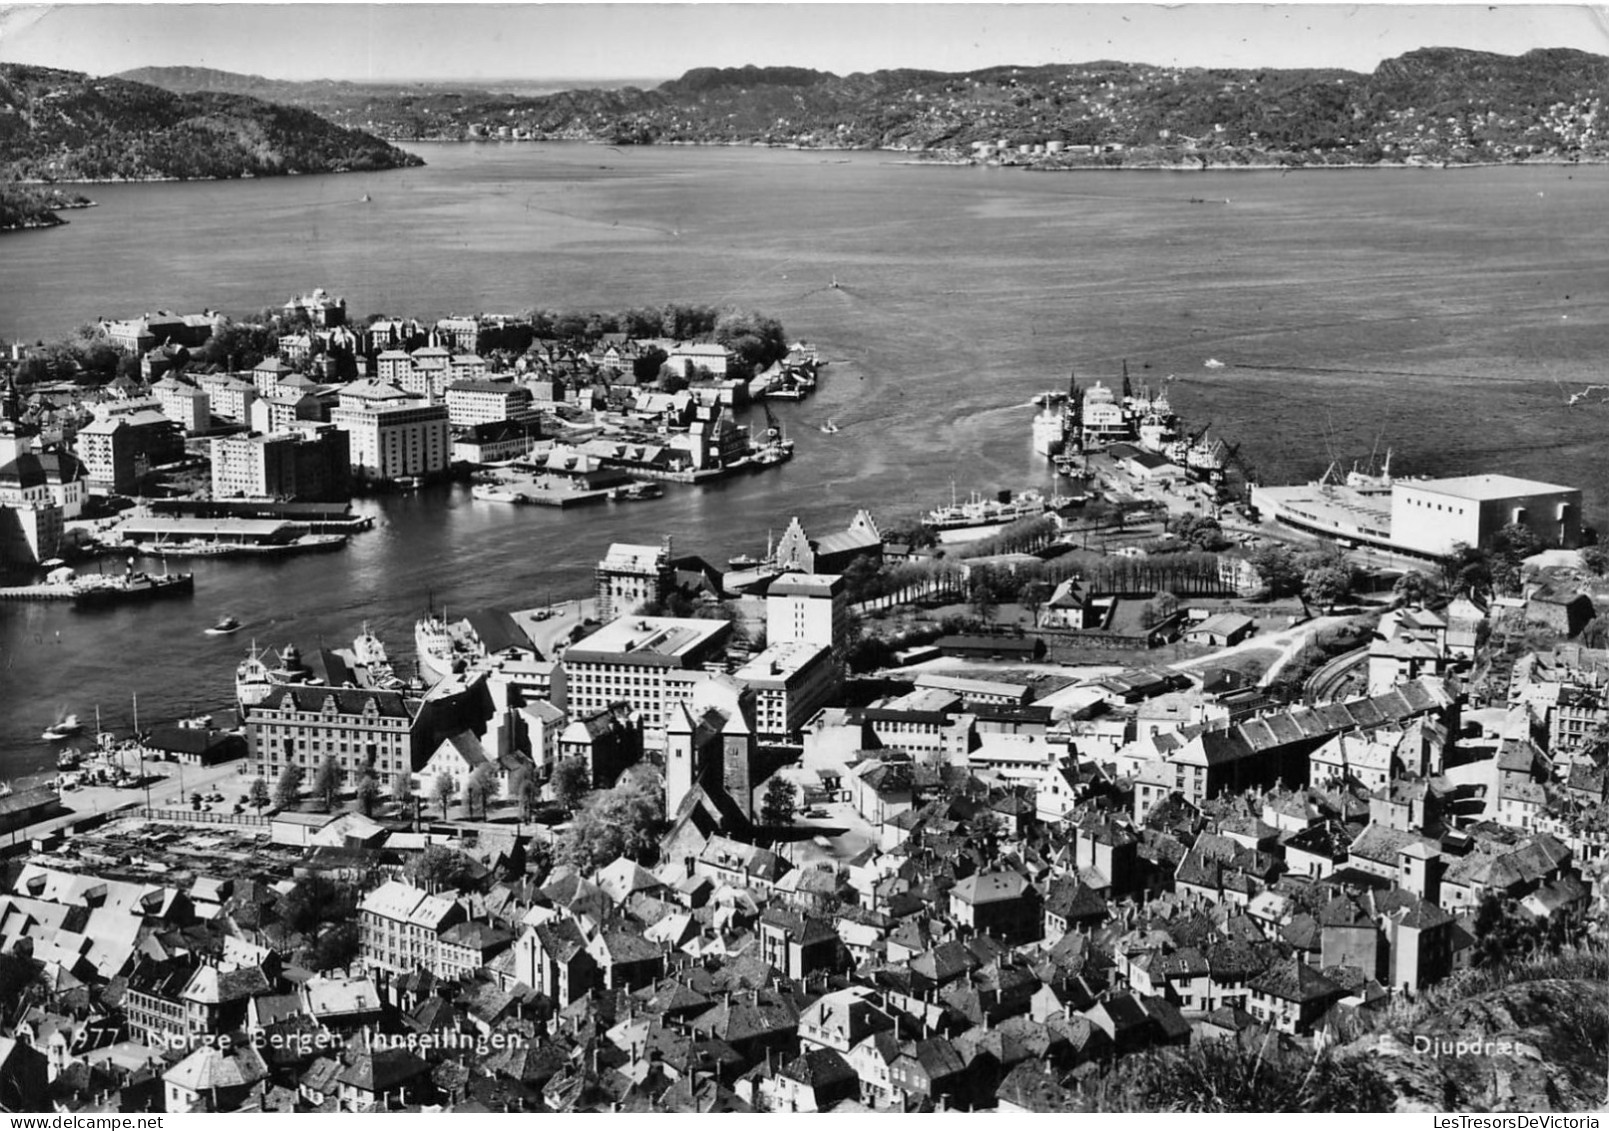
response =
{"points": [[541, 42]]}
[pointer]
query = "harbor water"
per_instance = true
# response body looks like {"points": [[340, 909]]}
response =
{"points": [[1446, 315]]}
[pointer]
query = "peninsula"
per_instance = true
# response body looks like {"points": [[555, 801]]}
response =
{"points": [[68, 126]]}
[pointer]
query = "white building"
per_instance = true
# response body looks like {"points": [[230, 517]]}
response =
{"points": [[630, 577], [792, 680], [393, 440], [228, 395], [472, 402], [184, 404], [809, 608], [650, 663], [1429, 516]]}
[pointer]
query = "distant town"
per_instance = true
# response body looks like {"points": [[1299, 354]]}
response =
{"points": [[1033, 801]]}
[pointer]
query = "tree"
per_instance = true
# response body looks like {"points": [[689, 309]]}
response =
{"points": [[439, 868], [1415, 588], [672, 379], [526, 788], [780, 803], [611, 823], [1277, 568], [869, 654], [288, 789], [982, 597], [366, 793], [914, 533], [1032, 596], [1201, 532], [986, 828], [571, 781], [1596, 558], [337, 947], [1516, 542], [1595, 633], [402, 791], [441, 792], [1324, 585], [258, 794], [479, 789], [327, 783]]}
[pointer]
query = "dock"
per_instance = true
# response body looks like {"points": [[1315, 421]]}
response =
{"points": [[37, 593]]}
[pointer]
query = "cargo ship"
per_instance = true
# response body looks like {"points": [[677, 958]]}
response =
{"points": [[99, 590]]}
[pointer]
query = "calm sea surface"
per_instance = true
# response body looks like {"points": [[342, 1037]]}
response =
{"points": [[1443, 314]]}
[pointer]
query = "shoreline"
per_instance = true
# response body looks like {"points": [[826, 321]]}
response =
{"points": [[914, 157], [157, 180]]}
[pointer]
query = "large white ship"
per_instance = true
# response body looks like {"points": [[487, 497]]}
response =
{"points": [[1050, 424]]}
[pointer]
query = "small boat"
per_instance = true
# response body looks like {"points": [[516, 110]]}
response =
{"points": [[63, 730], [365, 199], [637, 492], [830, 428], [1212, 363], [224, 627]]}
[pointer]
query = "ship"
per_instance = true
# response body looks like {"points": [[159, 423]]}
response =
{"points": [[62, 731], [1050, 424], [255, 680], [364, 665], [99, 590], [434, 642], [489, 493], [636, 492], [773, 447], [981, 511], [371, 663]]}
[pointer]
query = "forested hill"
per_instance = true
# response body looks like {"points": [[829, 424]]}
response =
{"points": [[62, 125], [1438, 104]]}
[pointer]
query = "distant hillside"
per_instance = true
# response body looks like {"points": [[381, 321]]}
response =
{"points": [[1438, 104], [62, 125]]}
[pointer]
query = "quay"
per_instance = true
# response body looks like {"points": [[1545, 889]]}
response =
{"points": [[175, 536], [317, 518], [44, 592]]}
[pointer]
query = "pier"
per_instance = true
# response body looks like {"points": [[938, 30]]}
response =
{"points": [[37, 593]]}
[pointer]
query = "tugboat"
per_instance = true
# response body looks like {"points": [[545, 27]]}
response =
{"points": [[63, 730], [224, 627]]}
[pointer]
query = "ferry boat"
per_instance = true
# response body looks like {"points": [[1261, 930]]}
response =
{"points": [[62, 731], [981, 511]]}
